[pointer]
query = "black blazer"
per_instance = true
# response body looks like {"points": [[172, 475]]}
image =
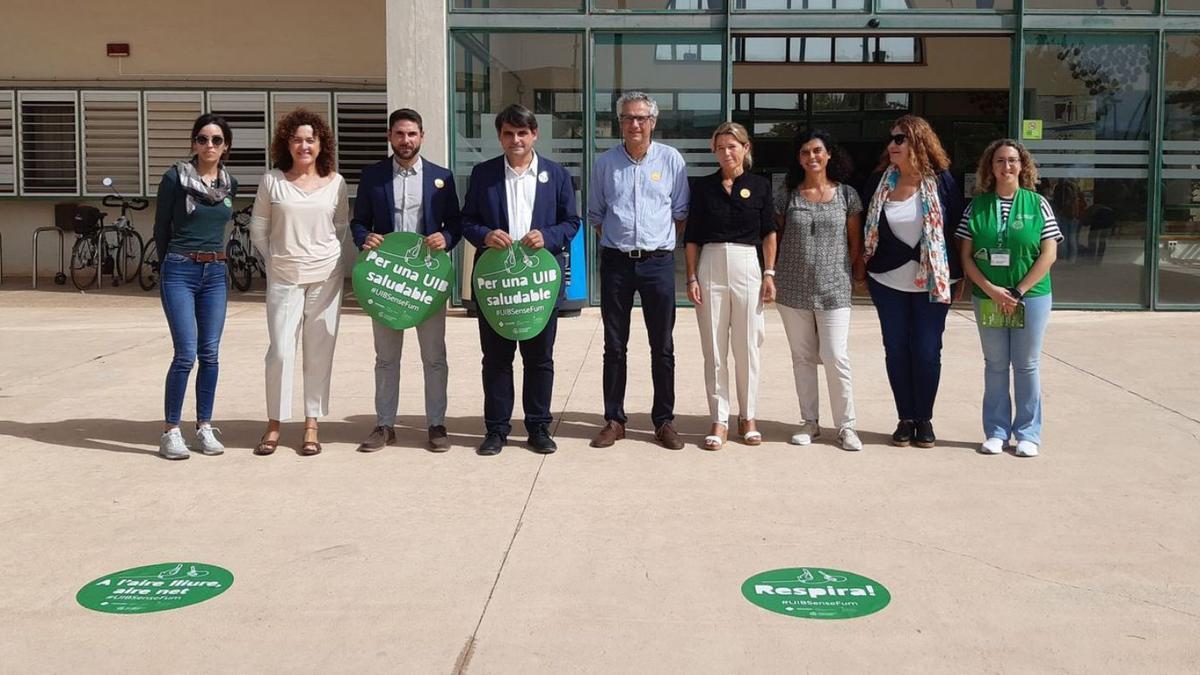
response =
{"points": [[892, 253]]}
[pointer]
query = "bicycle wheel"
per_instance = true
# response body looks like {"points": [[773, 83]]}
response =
{"points": [[148, 271], [85, 262], [238, 265], [129, 254]]}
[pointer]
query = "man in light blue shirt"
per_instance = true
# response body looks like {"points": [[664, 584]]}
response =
{"points": [[638, 201]]}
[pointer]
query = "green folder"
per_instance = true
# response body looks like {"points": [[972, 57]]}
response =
{"points": [[990, 315]]}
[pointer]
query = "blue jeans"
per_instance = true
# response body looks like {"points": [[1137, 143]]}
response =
{"points": [[193, 298], [1020, 348], [912, 328]]}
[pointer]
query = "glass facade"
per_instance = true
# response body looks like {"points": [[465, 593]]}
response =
{"points": [[1111, 114]]}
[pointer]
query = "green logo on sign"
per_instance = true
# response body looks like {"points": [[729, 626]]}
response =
{"points": [[155, 588], [816, 593], [516, 290], [401, 283]]}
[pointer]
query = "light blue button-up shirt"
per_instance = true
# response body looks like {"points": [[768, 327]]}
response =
{"points": [[637, 203]]}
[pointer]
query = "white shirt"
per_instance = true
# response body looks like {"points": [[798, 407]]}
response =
{"points": [[904, 218], [406, 188], [299, 232], [520, 189]]}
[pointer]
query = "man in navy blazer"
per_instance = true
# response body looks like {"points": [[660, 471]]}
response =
{"points": [[406, 193], [519, 196]]}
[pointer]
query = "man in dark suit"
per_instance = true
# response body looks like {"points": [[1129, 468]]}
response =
{"points": [[406, 193], [519, 196]]}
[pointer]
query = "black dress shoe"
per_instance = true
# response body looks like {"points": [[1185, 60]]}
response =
{"points": [[540, 441], [491, 445], [923, 435], [903, 434]]}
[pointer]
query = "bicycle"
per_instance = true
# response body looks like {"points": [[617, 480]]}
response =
{"points": [[242, 261], [92, 252], [148, 272]]}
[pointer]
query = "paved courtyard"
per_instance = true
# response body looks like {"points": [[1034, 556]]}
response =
{"points": [[627, 559]]}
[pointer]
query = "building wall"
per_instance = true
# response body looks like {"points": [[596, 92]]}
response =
{"points": [[267, 44]]}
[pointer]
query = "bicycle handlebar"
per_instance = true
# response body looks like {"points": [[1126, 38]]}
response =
{"points": [[133, 204]]}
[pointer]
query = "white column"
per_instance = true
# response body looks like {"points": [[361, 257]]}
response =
{"points": [[417, 63]]}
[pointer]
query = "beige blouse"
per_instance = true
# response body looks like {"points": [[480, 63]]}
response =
{"points": [[299, 232]]}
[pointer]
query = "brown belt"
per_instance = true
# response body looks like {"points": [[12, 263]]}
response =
{"points": [[204, 256]]}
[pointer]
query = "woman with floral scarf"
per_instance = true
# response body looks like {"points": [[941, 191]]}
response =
{"points": [[914, 206]]}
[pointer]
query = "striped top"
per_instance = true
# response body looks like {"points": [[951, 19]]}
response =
{"points": [[1049, 229]]}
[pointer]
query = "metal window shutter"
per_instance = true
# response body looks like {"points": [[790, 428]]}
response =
{"points": [[48, 142], [112, 142], [8, 144], [169, 118], [284, 102], [246, 112], [361, 127]]}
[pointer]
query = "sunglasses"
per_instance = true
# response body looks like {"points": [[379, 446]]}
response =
{"points": [[898, 139], [201, 139]]}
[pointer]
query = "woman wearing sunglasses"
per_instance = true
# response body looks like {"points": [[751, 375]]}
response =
{"points": [[1009, 242], [913, 210], [820, 250], [195, 200], [300, 218]]}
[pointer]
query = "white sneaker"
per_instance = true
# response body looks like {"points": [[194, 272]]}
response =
{"points": [[808, 431], [171, 445], [206, 440], [992, 446], [850, 440], [1026, 449]]}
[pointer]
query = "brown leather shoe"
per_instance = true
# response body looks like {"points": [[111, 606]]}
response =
{"points": [[612, 432], [668, 437], [438, 440], [380, 436]]}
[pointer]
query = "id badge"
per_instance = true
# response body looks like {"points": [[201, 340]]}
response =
{"points": [[999, 257]]}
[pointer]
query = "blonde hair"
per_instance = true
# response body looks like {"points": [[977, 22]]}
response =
{"points": [[986, 176], [740, 135], [926, 151]]}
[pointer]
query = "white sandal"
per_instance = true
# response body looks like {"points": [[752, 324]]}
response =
{"points": [[753, 437], [714, 442]]}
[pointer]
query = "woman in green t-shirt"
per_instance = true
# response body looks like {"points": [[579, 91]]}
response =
{"points": [[1009, 241]]}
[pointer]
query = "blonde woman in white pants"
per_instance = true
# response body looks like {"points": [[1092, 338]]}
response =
{"points": [[300, 219], [731, 217], [820, 257]]}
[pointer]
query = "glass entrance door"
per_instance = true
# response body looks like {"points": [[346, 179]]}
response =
{"points": [[1179, 237]]}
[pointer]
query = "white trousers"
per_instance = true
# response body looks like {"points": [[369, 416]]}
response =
{"points": [[389, 347], [821, 337], [293, 311], [730, 312]]}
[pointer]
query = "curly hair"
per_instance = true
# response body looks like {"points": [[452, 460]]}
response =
{"points": [[1027, 178], [926, 150], [281, 156], [838, 169]]}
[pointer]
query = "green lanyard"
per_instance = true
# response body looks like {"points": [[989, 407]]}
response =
{"points": [[1002, 223]]}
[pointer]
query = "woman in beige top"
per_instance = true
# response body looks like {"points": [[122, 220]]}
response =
{"points": [[300, 218]]}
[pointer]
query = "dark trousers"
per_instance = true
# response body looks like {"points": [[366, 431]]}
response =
{"points": [[537, 355], [653, 278], [912, 328]]}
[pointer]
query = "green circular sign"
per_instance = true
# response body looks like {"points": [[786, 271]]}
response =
{"points": [[402, 282], [516, 289], [155, 588], [816, 593]]}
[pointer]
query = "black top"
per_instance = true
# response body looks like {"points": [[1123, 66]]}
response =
{"points": [[744, 215], [891, 253]]}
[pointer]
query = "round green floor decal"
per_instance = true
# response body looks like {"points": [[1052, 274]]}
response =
{"points": [[816, 593], [155, 588]]}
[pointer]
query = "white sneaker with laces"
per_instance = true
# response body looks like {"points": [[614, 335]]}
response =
{"points": [[850, 440], [992, 446], [1026, 449], [171, 445], [808, 431], [206, 440]]}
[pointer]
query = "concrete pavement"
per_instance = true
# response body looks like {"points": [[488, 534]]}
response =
{"points": [[628, 559]]}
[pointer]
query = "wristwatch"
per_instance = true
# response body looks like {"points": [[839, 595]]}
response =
{"points": [[1016, 293]]}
